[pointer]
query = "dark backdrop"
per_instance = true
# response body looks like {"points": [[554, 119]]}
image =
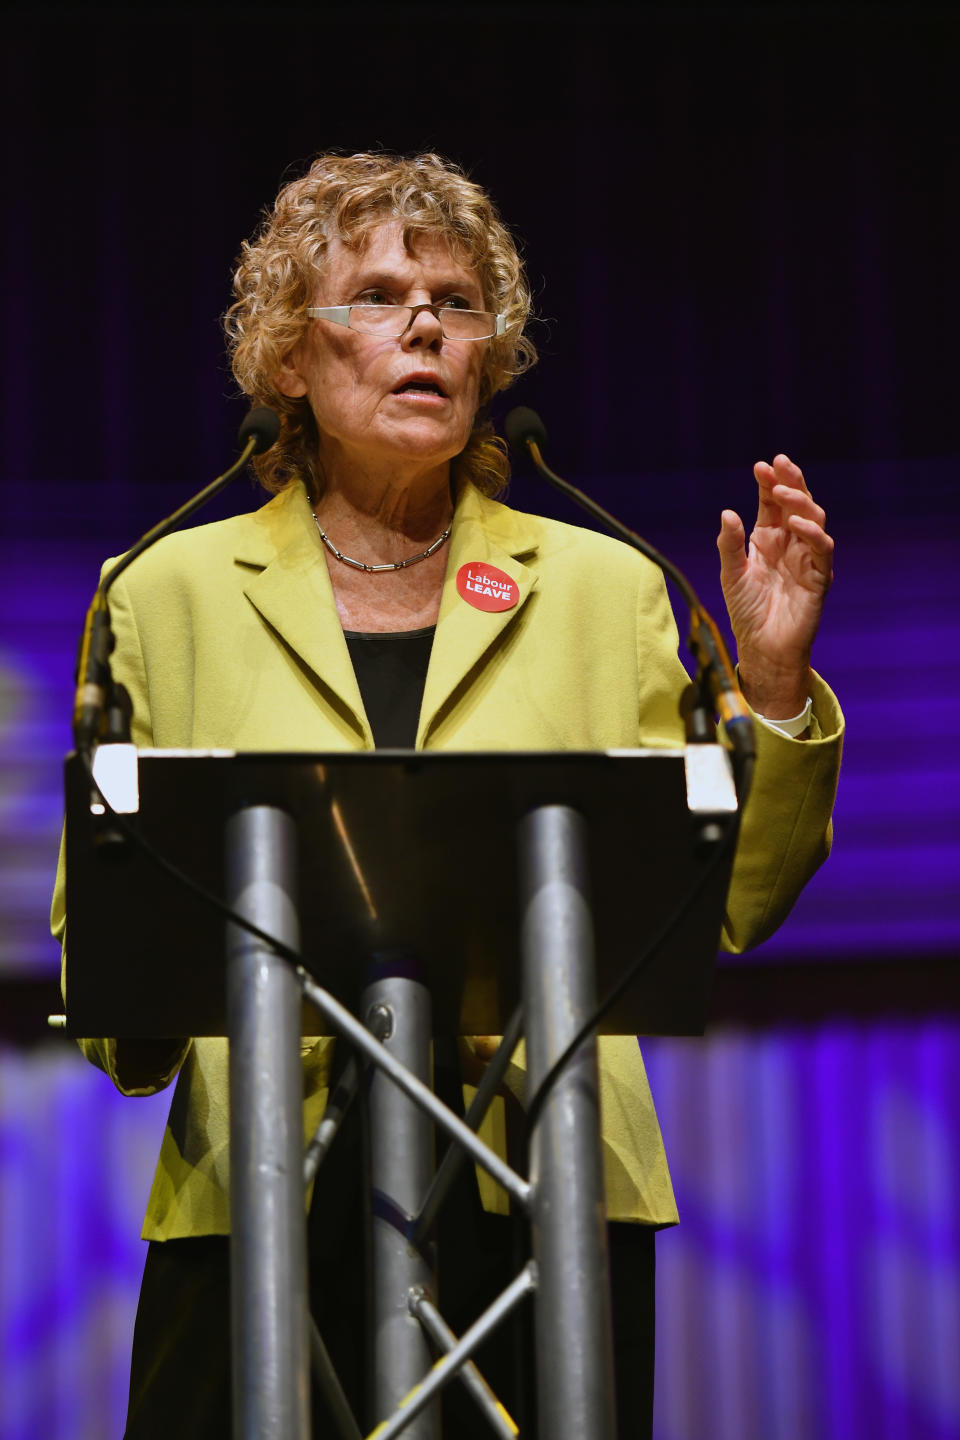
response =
{"points": [[741, 226]]}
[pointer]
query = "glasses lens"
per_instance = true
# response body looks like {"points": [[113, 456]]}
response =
{"points": [[389, 320], [467, 324]]}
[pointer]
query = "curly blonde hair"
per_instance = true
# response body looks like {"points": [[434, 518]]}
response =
{"points": [[345, 196]]}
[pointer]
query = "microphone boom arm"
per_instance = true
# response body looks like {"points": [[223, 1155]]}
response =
{"points": [[94, 680], [715, 668]]}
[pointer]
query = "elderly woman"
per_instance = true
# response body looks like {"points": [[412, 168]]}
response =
{"points": [[379, 309]]}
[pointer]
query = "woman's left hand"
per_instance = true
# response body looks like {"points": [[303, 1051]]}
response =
{"points": [[775, 589]]}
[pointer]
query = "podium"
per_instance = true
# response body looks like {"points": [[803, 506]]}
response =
{"points": [[492, 893]]}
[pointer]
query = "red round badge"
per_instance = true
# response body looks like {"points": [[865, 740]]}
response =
{"points": [[485, 587]]}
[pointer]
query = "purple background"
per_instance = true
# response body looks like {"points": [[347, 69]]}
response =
{"points": [[741, 227]]}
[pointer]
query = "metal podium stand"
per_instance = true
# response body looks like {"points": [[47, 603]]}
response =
{"points": [[509, 878]]}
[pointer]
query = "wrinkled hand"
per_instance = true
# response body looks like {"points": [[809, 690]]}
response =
{"points": [[775, 589]]}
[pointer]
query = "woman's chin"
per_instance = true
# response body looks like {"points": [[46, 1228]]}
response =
{"points": [[421, 442]]}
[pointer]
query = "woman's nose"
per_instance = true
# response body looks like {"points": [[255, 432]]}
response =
{"points": [[424, 331]]}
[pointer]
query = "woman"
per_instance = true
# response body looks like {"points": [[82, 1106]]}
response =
{"points": [[379, 309]]}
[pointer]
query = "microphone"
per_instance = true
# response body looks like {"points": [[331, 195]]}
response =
{"points": [[261, 423], [716, 684], [524, 427], [95, 690]]}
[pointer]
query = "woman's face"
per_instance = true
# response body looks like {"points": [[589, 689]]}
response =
{"points": [[355, 383]]}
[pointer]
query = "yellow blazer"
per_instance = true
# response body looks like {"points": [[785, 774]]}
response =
{"points": [[228, 635]]}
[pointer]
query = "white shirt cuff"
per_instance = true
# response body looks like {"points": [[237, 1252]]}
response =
{"points": [[795, 725]]}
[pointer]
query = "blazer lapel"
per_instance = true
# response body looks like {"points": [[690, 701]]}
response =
{"points": [[290, 587], [490, 533]]}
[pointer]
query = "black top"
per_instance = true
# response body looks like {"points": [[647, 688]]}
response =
{"points": [[391, 670]]}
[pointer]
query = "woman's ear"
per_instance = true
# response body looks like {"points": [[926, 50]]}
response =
{"points": [[288, 379]]}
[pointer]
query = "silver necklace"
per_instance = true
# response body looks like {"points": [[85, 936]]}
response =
{"points": [[375, 569]]}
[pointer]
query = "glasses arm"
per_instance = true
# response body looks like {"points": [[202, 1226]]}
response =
{"points": [[339, 314]]}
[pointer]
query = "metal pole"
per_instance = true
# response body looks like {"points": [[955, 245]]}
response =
{"points": [[497, 1416], [333, 1117], [449, 1364], [572, 1307], [401, 1166], [364, 1037], [445, 1369], [456, 1157], [344, 1420], [268, 1244]]}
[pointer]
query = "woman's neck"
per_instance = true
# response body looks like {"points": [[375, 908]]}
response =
{"points": [[379, 521], [383, 518]]}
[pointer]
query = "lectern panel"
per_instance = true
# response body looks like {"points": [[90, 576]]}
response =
{"points": [[398, 851]]}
